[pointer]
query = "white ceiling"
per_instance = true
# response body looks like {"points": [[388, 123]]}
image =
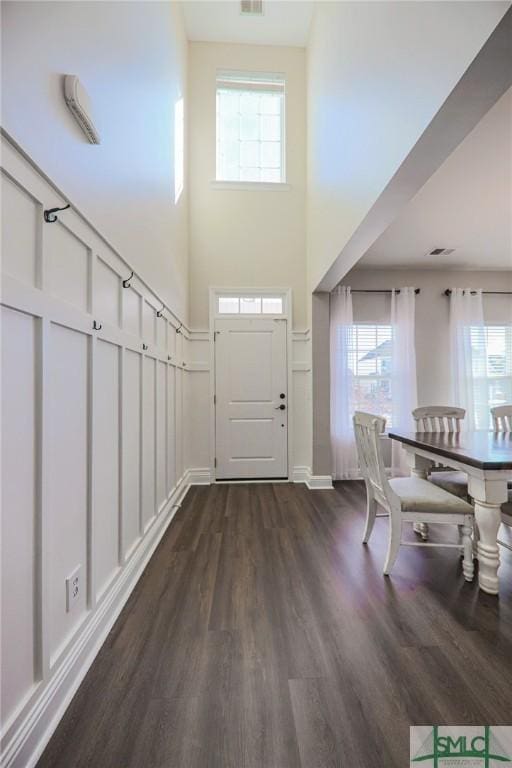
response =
{"points": [[466, 205], [284, 22]]}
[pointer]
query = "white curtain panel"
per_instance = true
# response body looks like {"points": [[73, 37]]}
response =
{"points": [[344, 455], [468, 355], [403, 370]]}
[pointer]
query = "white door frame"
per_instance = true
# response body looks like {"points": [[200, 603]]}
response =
{"points": [[286, 293]]}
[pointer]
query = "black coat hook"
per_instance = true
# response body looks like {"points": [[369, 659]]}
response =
{"points": [[160, 311], [126, 283], [178, 330], [96, 326], [169, 357], [49, 213], [144, 346]]}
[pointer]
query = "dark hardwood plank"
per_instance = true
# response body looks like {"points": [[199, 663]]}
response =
{"points": [[262, 634]]}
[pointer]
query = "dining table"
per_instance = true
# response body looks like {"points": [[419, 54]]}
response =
{"points": [[486, 458]]}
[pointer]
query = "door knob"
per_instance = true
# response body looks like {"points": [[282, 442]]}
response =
{"points": [[281, 407]]}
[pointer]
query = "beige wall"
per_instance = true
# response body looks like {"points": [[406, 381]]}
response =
{"points": [[432, 315], [132, 59], [245, 238], [377, 75]]}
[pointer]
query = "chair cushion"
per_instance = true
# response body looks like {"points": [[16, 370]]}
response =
{"points": [[417, 495], [453, 482]]}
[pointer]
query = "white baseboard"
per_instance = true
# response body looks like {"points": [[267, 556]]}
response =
{"points": [[320, 482], [27, 736], [301, 474], [198, 476], [313, 482]]}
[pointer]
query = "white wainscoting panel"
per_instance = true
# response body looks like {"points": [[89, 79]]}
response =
{"points": [[20, 342], [171, 430], [21, 232], [68, 491], [106, 464], [131, 311], [66, 264], [107, 294], [106, 412], [161, 428], [94, 381], [131, 436], [148, 442]]}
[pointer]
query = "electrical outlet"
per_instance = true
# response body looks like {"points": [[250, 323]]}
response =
{"points": [[73, 588]]}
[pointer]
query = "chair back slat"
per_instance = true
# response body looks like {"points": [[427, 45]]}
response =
{"points": [[438, 418], [502, 418], [368, 430]]}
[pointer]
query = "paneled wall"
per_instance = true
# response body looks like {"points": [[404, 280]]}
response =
{"points": [[105, 424], [93, 425]]}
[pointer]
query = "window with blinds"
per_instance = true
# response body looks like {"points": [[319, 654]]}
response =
{"points": [[370, 360], [250, 127], [491, 353]]}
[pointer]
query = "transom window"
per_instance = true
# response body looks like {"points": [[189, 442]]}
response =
{"points": [[491, 354], [370, 361], [250, 127], [250, 305]]}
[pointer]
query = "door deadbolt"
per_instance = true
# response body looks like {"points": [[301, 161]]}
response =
{"points": [[282, 395]]}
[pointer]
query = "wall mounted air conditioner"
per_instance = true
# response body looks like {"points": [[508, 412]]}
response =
{"points": [[80, 106]]}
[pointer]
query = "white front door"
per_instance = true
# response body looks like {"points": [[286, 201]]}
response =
{"points": [[251, 416]]}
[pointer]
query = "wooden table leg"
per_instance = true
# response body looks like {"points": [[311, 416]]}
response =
{"points": [[488, 496]]}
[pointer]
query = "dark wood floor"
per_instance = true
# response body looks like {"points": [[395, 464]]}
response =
{"points": [[263, 635]]}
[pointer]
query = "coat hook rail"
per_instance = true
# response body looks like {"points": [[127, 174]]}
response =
{"points": [[49, 213], [126, 283], [160, 311]]}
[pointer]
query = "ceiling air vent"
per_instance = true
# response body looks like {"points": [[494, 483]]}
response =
{"points": [[251, 7], [440, 251]]}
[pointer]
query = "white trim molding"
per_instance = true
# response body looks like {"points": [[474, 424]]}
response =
{"points": [[320, 483], [313, 482], [250, 186], [199, 476]]}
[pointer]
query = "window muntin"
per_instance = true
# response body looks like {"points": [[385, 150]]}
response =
{"points": [[370, 361], [250, 305], [491, 354], [250, 127]]}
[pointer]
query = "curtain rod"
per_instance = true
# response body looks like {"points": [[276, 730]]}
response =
{"points": [[376, 290], [448, 292]]}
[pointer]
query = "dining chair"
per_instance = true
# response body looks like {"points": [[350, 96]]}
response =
{"points": [[506, 518], [406, 499], [502, 422], [502, 418], [441, 418]]}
